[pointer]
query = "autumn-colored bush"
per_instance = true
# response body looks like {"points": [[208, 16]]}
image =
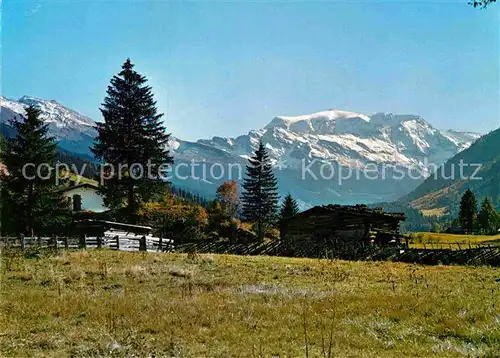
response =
{"points": [[273, 234], [228, 197], [175, 220]]}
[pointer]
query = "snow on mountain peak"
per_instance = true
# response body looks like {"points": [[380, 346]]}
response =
{"points": [[66, 125], [331, 114], [52, 112], [324, 122], [12, 105], [349, 138], [61, 116]]}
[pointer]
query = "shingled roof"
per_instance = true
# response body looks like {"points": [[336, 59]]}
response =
{"points": [[360, 209]]}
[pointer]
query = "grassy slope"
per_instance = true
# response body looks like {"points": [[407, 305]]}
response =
{"points": [[116, 303], [428, 238], [435, 212], [81, 179]]}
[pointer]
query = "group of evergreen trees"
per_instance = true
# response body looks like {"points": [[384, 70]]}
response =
{"points": [[131, 150], [260, 197], [131, 141], [486, 221], [189, 197]]}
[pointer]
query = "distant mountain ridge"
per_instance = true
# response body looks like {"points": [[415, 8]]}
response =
{"points": [[480, 172], [332, 138], [344, 139], [73, 131]]}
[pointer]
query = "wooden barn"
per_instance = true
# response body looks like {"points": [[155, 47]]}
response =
{"points": [[123, 236], [339, 223]]}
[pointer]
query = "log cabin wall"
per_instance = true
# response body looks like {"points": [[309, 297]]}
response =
{"points": [[350, 224]]}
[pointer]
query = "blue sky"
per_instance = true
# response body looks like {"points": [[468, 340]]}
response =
{"points": [[223, 68]]}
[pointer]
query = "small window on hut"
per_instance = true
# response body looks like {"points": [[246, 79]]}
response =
{"points": [[77, 202]]}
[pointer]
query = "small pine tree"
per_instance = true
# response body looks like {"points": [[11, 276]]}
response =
{"points": [[132, 139], [31, 202], [260, 197], [289, 208], [468, 211], [488, 218]]}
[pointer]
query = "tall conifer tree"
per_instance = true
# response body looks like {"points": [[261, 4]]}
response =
{"points": [[468, 211], [31, 201], [260, 196], [131, 139], [488, 218]]}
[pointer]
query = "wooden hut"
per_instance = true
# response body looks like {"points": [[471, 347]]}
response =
{"points": [[340, 223], [124, 236]]}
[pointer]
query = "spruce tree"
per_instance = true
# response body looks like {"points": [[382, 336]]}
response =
{"points": [[131, 139], [32, 204], [260, 197], [289, 208], [468, 211], [488, 218]]}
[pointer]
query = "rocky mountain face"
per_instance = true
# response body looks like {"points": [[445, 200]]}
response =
{"points": [[331, 156], [73, 131]]}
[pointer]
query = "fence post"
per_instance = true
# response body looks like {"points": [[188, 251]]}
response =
{"points": [[53, 240], [83, 242], [39, 240], [66, 244], [160, 244], [117, 243], [142, 244], [21, 241], [99, 242]]}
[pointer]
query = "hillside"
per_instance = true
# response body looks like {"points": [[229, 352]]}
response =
{"points": [[442, 190]]}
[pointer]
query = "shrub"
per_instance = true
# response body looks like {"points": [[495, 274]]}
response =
{"points": [[273, 234], [177, 221]]}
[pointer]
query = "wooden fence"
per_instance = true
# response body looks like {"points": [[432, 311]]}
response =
{"points": [[489, 255], [122, 243], [474, 256]]}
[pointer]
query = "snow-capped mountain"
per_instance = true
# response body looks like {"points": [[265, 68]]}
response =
{"points": [[351, 139], [324, 156], [321, 157], [72, 130]]}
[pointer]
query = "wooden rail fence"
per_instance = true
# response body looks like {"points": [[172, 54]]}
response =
{"points": [[486, 255], [123, 243]]}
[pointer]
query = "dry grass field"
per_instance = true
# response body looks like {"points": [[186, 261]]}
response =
{"points": [[445, 241], [108, 303]]}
